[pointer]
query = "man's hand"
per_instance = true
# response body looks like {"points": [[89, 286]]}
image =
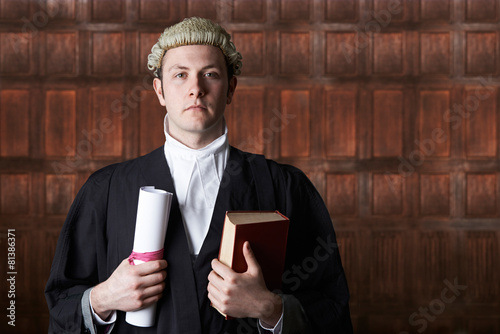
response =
{"points": [[243, 295], [130, 288]]}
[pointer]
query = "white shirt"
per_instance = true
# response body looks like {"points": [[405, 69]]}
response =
{"points": [[196, 175]]}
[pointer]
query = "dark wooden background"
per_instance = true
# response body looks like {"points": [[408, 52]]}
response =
{"points": [[391, 108]]}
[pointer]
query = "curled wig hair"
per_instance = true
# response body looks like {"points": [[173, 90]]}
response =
{"points": [[195, 31]]}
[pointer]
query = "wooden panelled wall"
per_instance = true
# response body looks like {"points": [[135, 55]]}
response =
{"points": [[391, 108]]}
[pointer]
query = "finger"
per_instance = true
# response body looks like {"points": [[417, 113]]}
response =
{"points": [[213, 295], [151, 300], [153, 279], [214, 277], [215, 281], [212, 290], [153, 290], [253, 265], [150, 267], [221, 269]]}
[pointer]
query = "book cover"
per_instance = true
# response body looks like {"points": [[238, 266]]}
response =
{"points": [[267, 232]]}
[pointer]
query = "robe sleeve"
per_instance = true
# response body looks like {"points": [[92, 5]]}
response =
{"points": [[80, 255], [314, 279]]}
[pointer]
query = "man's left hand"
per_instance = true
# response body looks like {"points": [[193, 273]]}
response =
{"points": [[241, 295]]}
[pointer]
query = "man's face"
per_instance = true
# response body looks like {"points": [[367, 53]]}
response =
{"points": [[195, 93]]}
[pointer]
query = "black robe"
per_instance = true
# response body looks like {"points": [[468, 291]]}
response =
{"points": [[99, 232]]}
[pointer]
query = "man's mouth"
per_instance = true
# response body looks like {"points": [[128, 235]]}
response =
{"points": [[196, 107]]}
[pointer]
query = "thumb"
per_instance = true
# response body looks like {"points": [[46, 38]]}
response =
{"points": [[253, 265]]}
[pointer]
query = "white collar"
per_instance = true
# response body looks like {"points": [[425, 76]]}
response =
{"points": [[196, 175], [177, 148]]}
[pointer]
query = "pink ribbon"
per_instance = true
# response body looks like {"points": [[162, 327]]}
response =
{"points": [[146, 257]]}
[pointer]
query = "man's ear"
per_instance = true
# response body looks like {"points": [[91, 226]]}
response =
{"points": [[157, 86], [230, 91]]}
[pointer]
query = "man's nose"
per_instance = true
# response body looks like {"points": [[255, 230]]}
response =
{"points": [[196, 89]]}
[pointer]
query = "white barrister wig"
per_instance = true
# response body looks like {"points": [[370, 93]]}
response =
{"points": [[195, 31]]}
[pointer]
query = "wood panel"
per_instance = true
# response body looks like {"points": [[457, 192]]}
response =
{"points": [[295, 10], [60, 122], [380, 324], [396, 10], [107, 53], [390, 107], [435, 55], [15, 52], [481, 123], [481, 53], [106, 124], [388, 53], [434, 263], [387, 123], [387, 194], [349, 246], [245, 121], [14, 194], [151, 113], [295, 104], [59, 193], [61, 10], [295, 53], [340, 123], [341, 60], [435, 10], [482, 279], [481, 194], [341, 198], [341, 10], [155, 10], [14, 123], [481, 10], [434, 194], [107, 10], [61, 53], [441, 325], [387, 279], [253, 47], [14, 10], [202, 9], [483, 325], [432, 124], [246, 10]]}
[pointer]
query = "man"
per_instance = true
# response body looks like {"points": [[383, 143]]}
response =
{"points": [[92, 285]]}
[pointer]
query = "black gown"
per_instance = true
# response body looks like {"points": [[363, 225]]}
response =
{"points": [[99, 231]]}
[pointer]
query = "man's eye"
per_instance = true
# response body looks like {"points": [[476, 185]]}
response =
{"points": [[180, 75], [211, 75]]}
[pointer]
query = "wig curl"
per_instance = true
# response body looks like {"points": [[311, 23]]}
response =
{"points": [[195, 31]]}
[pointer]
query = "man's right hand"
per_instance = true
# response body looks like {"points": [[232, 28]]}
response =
{"points": [[130, 288]]}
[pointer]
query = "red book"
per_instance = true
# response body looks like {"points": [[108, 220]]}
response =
{"points": [[267, 232]]}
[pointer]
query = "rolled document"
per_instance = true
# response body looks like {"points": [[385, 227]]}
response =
{"points": [[151, 223]]}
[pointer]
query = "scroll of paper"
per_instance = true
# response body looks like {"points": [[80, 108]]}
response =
{"points": [[153, 210]]}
